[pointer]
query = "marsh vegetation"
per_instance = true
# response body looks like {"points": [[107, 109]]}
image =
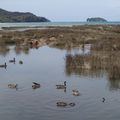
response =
{"points": [[73, 69]]}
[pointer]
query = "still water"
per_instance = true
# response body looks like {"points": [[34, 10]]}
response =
{"points": [[50, 67]]}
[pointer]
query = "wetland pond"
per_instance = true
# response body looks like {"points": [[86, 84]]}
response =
{"points": [[96, 75]]}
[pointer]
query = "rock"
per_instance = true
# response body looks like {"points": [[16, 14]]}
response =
{"points": [[96, 19]]}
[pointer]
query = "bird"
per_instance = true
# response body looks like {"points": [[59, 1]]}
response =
{"points": [[61, 104], [61, 86], [12, 61], [12, 85], [72, 104], [35, 85], [76, 93], [103, 99], [20, 62], [4, 65]]}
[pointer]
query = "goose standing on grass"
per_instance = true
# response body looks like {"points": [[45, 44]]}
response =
{"points": [[76, 92], [12, 61], [13, 86], [61, 86], [4, 65], [35, 85]]}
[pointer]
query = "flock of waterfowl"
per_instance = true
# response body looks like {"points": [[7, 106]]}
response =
{"points": [[37, 85], [74, 92], [15, 86], [10, 61], [61, 86], [65, 104]]}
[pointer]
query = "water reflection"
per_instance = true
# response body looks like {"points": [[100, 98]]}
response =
{"points": [[4, 50], [82, 61], [95, 64], [21, 49], [45, 67]]}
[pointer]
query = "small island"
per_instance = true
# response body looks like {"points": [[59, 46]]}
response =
{"points": [[96, 19], [6, 16]]}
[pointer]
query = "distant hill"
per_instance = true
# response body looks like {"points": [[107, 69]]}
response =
{"points": [[6, 16], [96, 19]]}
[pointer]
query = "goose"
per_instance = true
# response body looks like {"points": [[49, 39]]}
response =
{"points": [[35, 85], [12, 61], [4, 65], [61, 104], [61, 86], [12, 85], [76, 93]]}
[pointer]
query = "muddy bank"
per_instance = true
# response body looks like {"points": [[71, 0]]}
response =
{"points": [[102, 37]]}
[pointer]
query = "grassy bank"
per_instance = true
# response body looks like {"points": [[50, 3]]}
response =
{"points": [[102, 37]]}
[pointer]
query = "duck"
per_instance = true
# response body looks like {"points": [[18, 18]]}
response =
{"points": [[76, 93], [20, 62], [12, 85], [35, 85], [4, 65], [103, 99], [61, 104], [72, 104], [61, 86], [12, 61]]}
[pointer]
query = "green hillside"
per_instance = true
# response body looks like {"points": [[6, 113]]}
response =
{"points": [[6, 16]]}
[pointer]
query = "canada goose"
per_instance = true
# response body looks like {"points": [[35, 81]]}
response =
{"points": [[35, 85], [76, 93], [12, 85], [12, 61], [61, 104], [61, 86], [4, 65]]}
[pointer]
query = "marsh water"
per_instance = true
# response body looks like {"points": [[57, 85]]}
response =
{"points": [[95, 77]]}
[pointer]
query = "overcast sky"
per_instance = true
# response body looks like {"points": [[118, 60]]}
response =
{"points": [[66, 10]]}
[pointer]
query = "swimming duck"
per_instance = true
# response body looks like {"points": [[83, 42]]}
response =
{"points": [[61, 104], [12, 61], [103, 99], [61, 86], [35, 85], [12, 85], [20, 62], [72, 104], [76, 93], [4, 65]]}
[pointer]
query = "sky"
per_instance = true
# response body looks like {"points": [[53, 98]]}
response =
{"points": [[66, 10]]}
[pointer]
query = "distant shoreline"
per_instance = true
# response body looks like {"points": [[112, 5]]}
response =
{"points": [[44, 25]]}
